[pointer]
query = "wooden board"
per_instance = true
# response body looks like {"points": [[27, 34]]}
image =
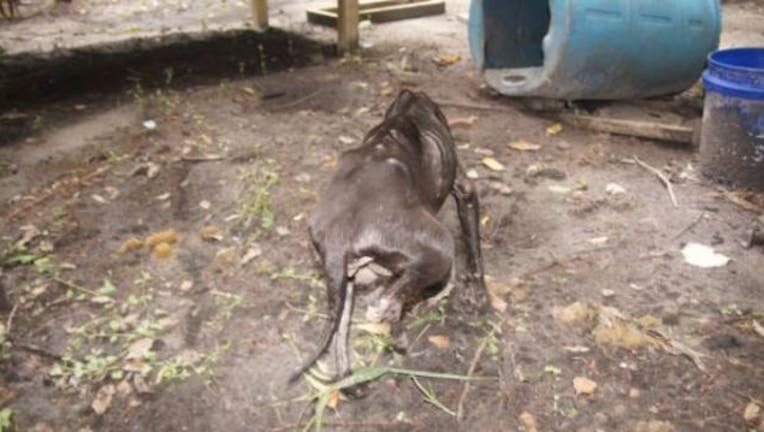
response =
{"points": [[638, 128], [381, 11]]}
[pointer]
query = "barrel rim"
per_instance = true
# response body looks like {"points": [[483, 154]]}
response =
{"points": [[712, 60]]}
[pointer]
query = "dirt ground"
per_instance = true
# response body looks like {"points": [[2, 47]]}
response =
{"points": [[159, 276]]}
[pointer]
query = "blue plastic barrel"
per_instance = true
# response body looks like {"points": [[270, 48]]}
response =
{"points": [[592, 49], [732, 138]]}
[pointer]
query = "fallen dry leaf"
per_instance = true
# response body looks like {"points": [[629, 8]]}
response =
{"points": [[167, 236], [751, 412], [252, 253], [559, 189], [381, 329], [598, 240], [447, 59], [528, 421], [346, 139], [334, 399], [102, 401], [757, 328], [572, 313], [584, 386], [225, 256], [211, 232], [130, 245], [613, 329], [524, 146], [462, 122], [655, 426], [161, 251], [139, 349], [124, 388], [554, 129], [492, 164], [439, 341]]}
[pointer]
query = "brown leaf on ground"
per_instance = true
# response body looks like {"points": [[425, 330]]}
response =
{"points": [[211, 232], [461, 122], [439, 341], [169, 236], [584, 386], [492, 164], [554, 129], [129, 245], [334, 399], [162, 251], [528, 421], [447, 59], [655, 426], [752, 412], [139, 349], [102, 401], [572, 313], [613, 329], [524, 146]]}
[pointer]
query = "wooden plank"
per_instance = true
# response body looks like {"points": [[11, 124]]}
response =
{"points": [[638, 128], [347, 25], [381, 11], [259, 14]]}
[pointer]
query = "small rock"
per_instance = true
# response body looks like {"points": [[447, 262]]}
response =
{"points": [[205, 204], [282, 231], [608, 293], [150, 125], [615, 189], [472, 174], [186, 285], [634, 393]]}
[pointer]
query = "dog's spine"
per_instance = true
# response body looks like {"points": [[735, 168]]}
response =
{"points": [[337, 280]]}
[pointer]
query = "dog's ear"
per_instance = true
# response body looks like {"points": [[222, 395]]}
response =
{"points": [[401, 103]]}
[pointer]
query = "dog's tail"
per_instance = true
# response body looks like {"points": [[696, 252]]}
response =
{"points": [[337, 284]]}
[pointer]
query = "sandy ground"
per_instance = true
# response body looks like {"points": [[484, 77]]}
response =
{"points": [[115, 323]]}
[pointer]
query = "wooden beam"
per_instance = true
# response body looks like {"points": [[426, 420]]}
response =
{"points": [[380, 11], [638, 128], [347, 25], [259, 14]]}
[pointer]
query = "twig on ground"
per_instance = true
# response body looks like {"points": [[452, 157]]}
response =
{"points": [[9, 323], [297, 102], [347, 425], [690, 226], [205, 158], [54, 190], [33, 349], [470, 371], [467, 105], [76, 287], [662, 177]]}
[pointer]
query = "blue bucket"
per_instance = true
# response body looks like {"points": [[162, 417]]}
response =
{"points": [[732, 138]]}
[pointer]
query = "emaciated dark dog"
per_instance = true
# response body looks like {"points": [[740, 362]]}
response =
{"points": [[378, 215]]}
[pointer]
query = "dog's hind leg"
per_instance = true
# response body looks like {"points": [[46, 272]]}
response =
{"points": [[468, 208]]}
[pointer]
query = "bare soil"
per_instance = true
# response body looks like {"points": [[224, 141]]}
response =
{"points": [[234, 168]]}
